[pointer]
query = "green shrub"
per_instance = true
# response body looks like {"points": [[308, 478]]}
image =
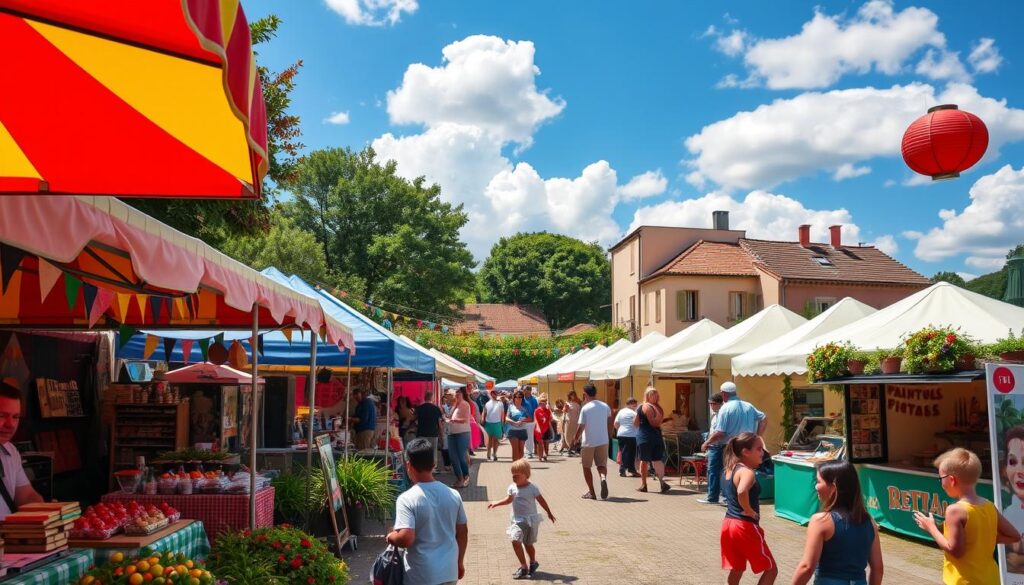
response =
{"points": [[364, 482], [279, 555], [934, 349], [292, 501], [828, 361]]}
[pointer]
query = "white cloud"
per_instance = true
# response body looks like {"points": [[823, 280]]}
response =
{"points": [[789, 138], [985, 57], [485, 82], [828, 47], [886, 244], [372, 12], [644, 185], [916, 180], [912, 234], [764, 215], [339, 118], [941, 64], [731, 44], [968, 276], [849, 171], [990, 225]]}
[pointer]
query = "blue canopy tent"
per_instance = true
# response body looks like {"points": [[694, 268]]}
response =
{"points": [[375, 346]]}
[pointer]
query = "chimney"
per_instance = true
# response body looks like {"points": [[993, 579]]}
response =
{"points": [[805, 235], [837, 236], [720, 220]]}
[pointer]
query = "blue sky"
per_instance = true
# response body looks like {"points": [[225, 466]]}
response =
{"points": [[591, 118]]}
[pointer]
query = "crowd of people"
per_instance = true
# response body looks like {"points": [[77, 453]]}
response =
{"points": [[842, 543]]}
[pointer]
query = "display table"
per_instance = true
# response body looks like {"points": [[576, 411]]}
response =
{"points": [[795, 498], [62, 570], [218, 512], [184, 536], [892, 494]]}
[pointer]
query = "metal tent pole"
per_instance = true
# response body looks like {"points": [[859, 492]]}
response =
{"points": [[254, 348], [387, 419], [311, 401], [348, 401]]}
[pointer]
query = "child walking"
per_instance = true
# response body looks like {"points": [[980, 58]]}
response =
{"points": [[524, 497], [973, 526], [742, 538]]}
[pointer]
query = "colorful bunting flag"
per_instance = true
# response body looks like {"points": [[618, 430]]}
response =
{"points": [[287, 334], [204, 349], [10, 259], [124, 335], [169, 343], [155, 304], [71, 287], [186, 350], [121, 301], [100, 305], [89, 296], [142, 301], [48, 277], [151, 343], [219, 338]]}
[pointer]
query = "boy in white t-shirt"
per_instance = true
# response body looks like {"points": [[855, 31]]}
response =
{"points": [[524, 497]]}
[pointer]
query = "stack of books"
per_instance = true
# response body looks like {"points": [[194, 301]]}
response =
{"points": [[39, 528]]}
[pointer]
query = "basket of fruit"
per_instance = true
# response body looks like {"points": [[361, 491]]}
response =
{"points": [[100, 522], [150, 567], [147, 523]]}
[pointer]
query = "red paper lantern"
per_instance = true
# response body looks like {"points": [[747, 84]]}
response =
{"points": [[489, 384], [944, 142]]}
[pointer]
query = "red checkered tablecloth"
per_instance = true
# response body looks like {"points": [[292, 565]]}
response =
{"points": [[218, 512]]}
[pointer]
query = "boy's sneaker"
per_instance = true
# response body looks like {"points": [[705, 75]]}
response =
{"points": [[533, 567], [521, 573], [705, 501]]}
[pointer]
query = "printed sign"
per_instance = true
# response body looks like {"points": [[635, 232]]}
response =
{"points": [[1006, 431]]}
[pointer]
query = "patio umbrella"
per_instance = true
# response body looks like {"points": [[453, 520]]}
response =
{"points": [[134, 99]]}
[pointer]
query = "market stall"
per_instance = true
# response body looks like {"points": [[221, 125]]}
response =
{"points": [[763, 378], [575, 374], [217, 513]]}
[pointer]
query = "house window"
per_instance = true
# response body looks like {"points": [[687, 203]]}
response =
{"points": [[657, 306], [822, 261], [738, 306], [686, 305], [822, 304], [632, 310]]}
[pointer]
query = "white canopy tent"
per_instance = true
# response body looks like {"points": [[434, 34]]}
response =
{"points": [[481, 377], [716, 353], [600, 368], [580, 369], [767, 360], [983, 318], [445, 367], [569, 365], [641, 363], [534, 377]]}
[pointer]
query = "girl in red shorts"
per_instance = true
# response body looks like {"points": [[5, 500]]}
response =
{"points": [[742, 537]]}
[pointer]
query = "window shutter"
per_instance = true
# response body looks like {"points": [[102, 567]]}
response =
{"points": [[681, 305]]}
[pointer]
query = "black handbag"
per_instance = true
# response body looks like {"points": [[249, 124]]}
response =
{"points": [[389, 568]]}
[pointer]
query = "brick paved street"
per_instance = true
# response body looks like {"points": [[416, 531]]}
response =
{"points": [[630, 538]]}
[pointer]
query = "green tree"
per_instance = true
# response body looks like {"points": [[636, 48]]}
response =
{"points": [[568, 279], [950, 277], [213, 221], [397, 236], [993, 284]]}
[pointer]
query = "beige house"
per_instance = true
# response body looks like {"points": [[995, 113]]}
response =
{"points": [[666, 278]]}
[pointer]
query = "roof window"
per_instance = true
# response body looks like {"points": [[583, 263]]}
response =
{"points": [[822, 260]]}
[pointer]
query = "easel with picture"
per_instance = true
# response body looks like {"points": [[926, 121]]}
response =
{"points": [[335, 499]]}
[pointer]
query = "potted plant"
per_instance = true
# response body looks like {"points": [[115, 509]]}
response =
{"points": [[889, 360], [857, 362], [829, 361], [934, 349], [293, 500], [1009, 348], [366, 485], [968, 361], [280, 555]]}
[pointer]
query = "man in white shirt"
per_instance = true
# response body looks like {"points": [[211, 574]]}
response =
{"points": [[595, 420], [17, 490], [625, 433], [494, 420], [430, 523]]}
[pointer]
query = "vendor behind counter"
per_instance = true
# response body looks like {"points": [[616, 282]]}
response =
{"points": [[15, 488]]}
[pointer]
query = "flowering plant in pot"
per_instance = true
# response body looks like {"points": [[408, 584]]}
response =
{"points": [[829, 361], [1009, 348], [281, 555], [366, 487], [934, 349], [858, 362], [889, 360]]}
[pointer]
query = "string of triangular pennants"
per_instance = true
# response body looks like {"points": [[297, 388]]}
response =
{"points": [[516, 351], [96, 300], [387, 318], [205, 345]]}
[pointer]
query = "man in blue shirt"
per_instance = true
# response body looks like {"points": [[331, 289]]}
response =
{"points": [[530, 403], [736, 416], [365, 420]]}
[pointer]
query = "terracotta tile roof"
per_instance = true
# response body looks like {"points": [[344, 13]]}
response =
{"points": [[711, 259], [579, 328], [863, 264], [503, 319]]}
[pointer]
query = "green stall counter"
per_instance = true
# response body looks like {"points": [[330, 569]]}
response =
{"points": [[892, 494], [795, 498]]}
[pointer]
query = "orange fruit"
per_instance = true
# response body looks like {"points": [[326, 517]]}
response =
{"points": [[135, 579]]}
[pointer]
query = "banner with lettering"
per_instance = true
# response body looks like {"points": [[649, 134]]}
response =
{"points": [[892, 496], [1006, 431]]}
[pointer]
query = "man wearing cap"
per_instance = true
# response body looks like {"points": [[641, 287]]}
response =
{"points": [[736, 416]]}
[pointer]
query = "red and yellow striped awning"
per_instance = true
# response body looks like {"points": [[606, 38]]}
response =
{"points": [[150, 98]]}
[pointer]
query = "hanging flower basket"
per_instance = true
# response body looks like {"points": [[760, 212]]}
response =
{"points": [[829, 361], [934, 350]]}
